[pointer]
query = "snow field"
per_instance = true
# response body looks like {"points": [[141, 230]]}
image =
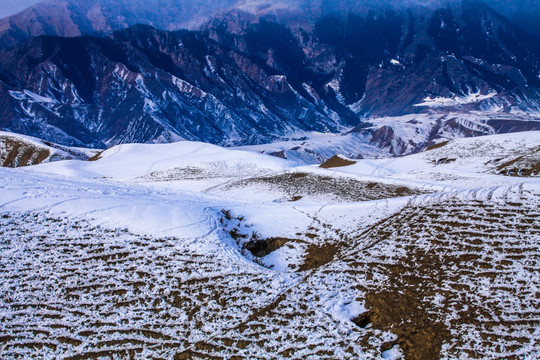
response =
{"points": [[142, 254]]}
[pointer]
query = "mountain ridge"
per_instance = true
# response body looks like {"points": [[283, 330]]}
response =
{"points": [[245, 79], [103, 17]]}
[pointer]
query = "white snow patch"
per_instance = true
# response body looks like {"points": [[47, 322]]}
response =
{"points": [[186, 87], [29, 95], [346, 310], [335, 86], [394, 353], [438, 102], [357, 106], [284, 259]]}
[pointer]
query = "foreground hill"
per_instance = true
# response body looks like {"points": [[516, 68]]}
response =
{"points": [[190, 250]]}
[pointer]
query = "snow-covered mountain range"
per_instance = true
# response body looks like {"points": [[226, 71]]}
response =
{"points": [[84, 17], [245, 80]]}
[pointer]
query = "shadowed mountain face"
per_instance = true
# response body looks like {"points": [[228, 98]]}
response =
{"points": [[464, 50], [102, 17], [10, 7], [148, 85], [245, 80]]}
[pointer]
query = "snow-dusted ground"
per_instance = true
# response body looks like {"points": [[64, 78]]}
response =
{"points": [[145, 253]]}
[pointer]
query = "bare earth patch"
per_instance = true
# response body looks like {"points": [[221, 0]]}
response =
{"points": [[17, 154], [523, 166], [336, 161], [298, 185]]}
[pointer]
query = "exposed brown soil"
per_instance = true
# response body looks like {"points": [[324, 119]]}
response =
{"points": [[523, 166], [19, 154], [96, 157], [263, 247], [429, 292], [300, 185], [336, 161], [318, 255], [444, 161], [399, 308], [438, 146]]}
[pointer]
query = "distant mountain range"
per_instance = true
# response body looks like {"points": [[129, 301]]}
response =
{"points": [[11, 7], [255, 74], [102, 17], [71, 18]]}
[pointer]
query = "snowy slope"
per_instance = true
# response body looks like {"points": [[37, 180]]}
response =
{"points": [[190, 250], [383, 137], [463, 163], [137, 160]]}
